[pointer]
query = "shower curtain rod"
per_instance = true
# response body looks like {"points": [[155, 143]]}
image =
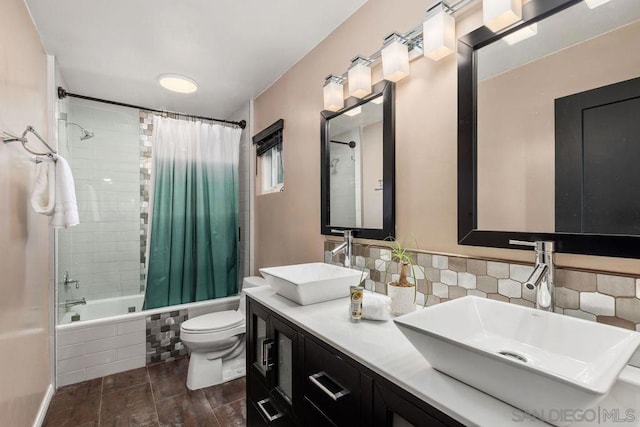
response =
{"points": [[62, 93]]}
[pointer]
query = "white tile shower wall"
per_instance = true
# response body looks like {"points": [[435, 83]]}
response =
{"points": [[87, 352], [102, 252]]}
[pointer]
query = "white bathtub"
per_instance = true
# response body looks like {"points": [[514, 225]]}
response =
{"points": [[103, 308], [107, 339]]}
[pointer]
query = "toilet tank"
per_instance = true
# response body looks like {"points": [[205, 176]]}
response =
{"points": [[249, 282]]}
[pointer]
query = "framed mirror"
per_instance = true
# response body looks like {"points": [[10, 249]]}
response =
{"points": [[548, 131], [358, 166]]}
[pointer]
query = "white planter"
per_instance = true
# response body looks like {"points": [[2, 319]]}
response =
{"points": [[403, 299]]}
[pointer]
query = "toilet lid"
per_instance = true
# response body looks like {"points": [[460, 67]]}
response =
{"points": [[211, 322]]}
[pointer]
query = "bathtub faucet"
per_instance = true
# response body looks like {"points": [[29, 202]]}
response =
{"points": [[71, 302]]}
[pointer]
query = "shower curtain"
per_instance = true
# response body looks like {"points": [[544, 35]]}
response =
{"points": [[194, 213]]}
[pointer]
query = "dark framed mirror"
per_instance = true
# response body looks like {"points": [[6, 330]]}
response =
{"points": [[358, 166], [548, 136]]}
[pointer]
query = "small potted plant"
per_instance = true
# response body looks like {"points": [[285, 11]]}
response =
{"points": [[402, 292]]}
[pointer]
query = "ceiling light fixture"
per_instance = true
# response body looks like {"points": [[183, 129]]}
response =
{"points": [[439, 32], [395, 58], [178, 83], [595, 3], [359, 75], [500, 14], [333, 93]]}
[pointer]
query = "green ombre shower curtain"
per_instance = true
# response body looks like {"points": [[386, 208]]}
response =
{"points": [[194, 213]]}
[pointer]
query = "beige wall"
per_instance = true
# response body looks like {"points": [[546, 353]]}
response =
{"points": [[288, 223], [516, 131], [24, 262]]}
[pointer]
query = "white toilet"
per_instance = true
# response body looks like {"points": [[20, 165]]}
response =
{"points": [[217, 343]]}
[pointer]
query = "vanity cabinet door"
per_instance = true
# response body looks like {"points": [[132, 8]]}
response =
{"points": [[259, 344], [285, 364], [394, 408]]}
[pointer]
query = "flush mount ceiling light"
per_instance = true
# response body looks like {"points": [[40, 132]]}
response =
{"points": [[178, 83], [395, 58], [333, 93], [523, 34], [354, 111], [439, 33], [595, 3], [499, 14], [359, 75]]}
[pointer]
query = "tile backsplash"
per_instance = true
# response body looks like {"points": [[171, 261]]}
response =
{"points": [[601, 297]]}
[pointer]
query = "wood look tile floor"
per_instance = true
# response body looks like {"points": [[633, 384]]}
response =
{"points": [[156, 395]]}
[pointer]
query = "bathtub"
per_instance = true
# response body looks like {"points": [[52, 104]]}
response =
{"points": [[108, 339], [103, 308]]}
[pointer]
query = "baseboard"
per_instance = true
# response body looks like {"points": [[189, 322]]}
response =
{"points": [[44, 406]]}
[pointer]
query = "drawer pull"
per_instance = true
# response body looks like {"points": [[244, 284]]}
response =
{"points": [[270, 412], [330, 387], [267, 360]]}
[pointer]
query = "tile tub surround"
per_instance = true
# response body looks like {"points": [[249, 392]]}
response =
{"points": [[601, 297], [150, 396], [95, 348], [163, 342]]}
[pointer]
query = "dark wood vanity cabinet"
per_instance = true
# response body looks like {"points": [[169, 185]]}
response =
{"points": [[295, 379]]}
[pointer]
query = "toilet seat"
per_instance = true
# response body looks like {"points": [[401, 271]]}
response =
{"points": [[213, 322]]}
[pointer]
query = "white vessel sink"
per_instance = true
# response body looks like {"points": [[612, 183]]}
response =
{"points": [[537, 361], [312, 283]]}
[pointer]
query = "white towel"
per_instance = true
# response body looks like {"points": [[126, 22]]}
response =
{"points": [[376, 306], [66, 208], [43, 198]]}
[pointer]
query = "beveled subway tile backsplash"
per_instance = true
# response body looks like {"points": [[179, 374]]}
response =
{"points": [[605, 298]]}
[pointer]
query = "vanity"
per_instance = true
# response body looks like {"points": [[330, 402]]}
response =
{"points": [[311, 366]]}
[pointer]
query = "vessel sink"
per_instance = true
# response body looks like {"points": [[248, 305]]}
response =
{"points": [[543, 363], [312, 283]]}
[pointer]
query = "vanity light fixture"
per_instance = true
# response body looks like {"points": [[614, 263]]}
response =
{"points": [[333, 93], [359, 75], [178, 83], [439, 32], [500, 14], [354, 111], [592, 4], [395, 58], [523, 34]]}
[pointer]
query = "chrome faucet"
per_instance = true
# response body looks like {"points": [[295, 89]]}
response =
{"points": [[345, 246], [71, 302], [542, 278]]}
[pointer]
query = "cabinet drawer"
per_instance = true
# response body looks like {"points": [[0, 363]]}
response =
{"points": [[313, 417], [256, 416], [331, 385]]}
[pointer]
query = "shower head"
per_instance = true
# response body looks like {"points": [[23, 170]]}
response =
{"points": [[86, 134]]}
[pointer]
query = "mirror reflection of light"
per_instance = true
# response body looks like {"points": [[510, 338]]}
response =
{"points": [[106, 179], [378, 100], [354, 111], [595, 3], [523, 34]]}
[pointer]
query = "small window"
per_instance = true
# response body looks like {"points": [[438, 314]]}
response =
{"points": [[269, 158]]}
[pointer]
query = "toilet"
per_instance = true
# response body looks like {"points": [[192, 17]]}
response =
{"points": [[217, 343]]}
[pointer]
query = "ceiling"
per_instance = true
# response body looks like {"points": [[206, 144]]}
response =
{"points": [[235, 49]]}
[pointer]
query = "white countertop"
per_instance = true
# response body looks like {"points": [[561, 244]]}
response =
{"points": [[381, 347]]}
